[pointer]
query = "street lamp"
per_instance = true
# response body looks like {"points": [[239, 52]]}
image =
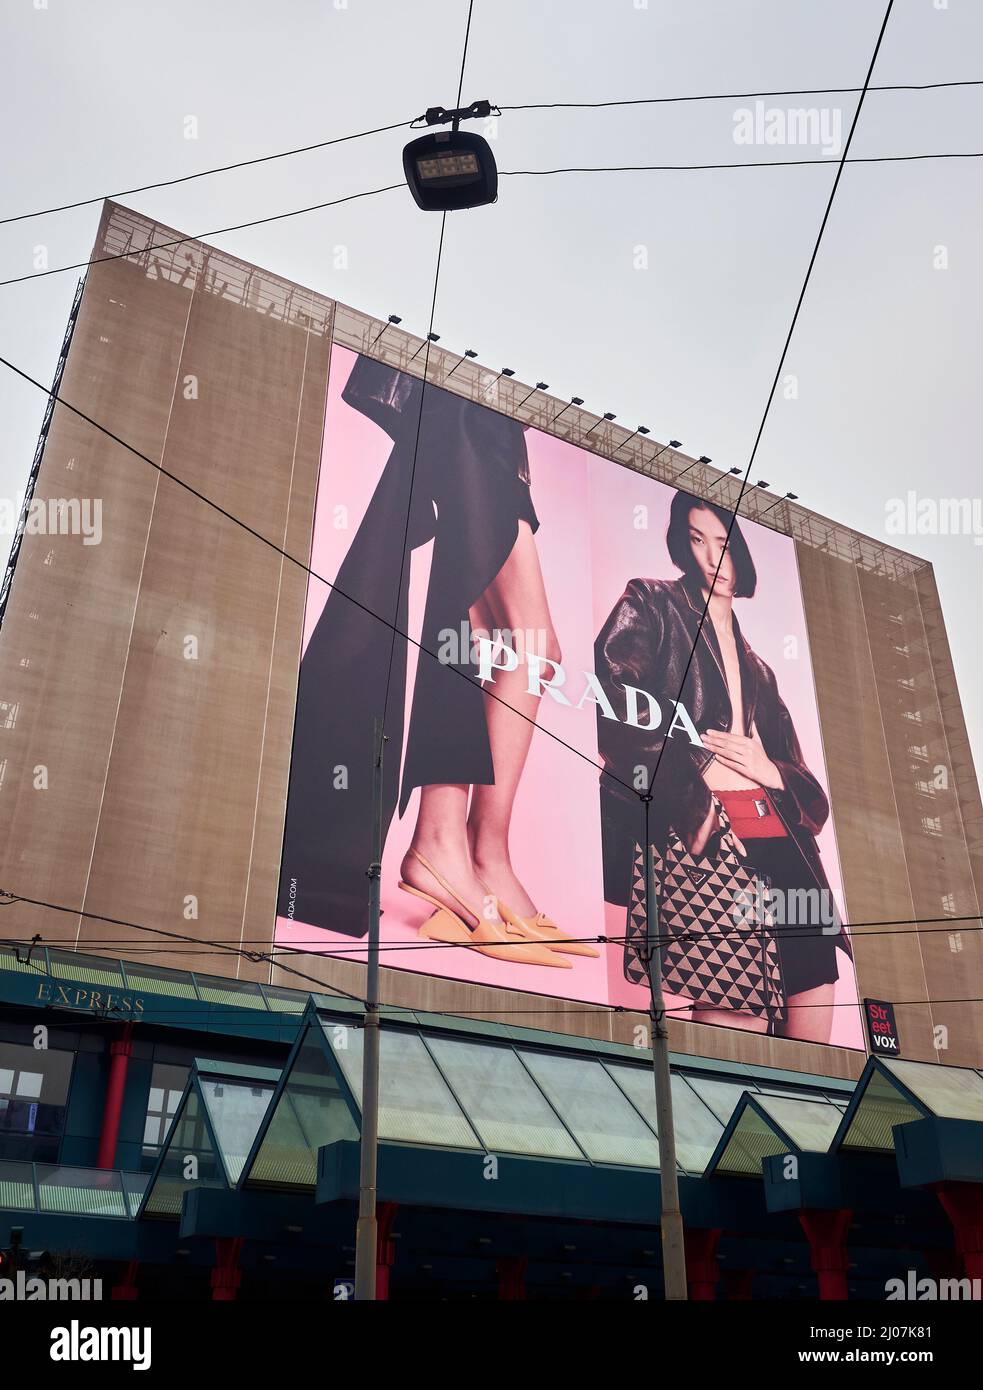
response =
{"points": [[468, 353], [393, 320], [451, 169], [608, 415], [789, 497]]}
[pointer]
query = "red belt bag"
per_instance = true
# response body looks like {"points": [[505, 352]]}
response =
{"points": [[753, 815]]}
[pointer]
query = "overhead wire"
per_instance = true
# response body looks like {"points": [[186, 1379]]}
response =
{"points": [[739, 96], [202, 174], [136, 253], [525, 106], [774, 385], [741, 164], [272, 545], [423, 389], [183, 1015], [911, 926], [416, 450], [256, 957]]}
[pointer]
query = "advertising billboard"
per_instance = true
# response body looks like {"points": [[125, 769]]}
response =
{"points": [[522, 613]]}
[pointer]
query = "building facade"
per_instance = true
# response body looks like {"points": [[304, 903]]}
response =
{"points": [[148, 688], [162, 779]]}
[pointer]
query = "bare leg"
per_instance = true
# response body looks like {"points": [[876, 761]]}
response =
{"points": [[441, 837], [810, 1016], [515, 602]]}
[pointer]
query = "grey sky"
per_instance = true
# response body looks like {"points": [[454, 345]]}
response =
{"points": [[548, 281]]}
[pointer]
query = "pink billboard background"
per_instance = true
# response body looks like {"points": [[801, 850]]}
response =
{"points": [[592, 540]]}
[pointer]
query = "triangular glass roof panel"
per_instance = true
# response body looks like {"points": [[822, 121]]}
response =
{"points": [[879, 1102], [950, 1092], [213, 1129], [311, 1107], [189, 1158], [750, 1137], [236, 1110]]}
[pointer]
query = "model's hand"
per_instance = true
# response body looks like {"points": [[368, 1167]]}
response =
{"points": [[745, 755], [697, 842]]}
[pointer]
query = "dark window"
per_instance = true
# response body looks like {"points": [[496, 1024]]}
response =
{"points": [[166, 1088], [33, 1094]]}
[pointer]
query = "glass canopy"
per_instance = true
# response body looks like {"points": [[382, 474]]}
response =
{"points": [[752, 1139], [888, 1093], [55, 1188], [766, 1124], [309, 1110], [211, 1133], [454, 1088], [952, 1092], [507, 1109], [894, 1092]]}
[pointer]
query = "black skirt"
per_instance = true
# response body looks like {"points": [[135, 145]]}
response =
{"points": [[457, 476], [807, 926]]}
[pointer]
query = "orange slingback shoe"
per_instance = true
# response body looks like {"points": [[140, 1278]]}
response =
{"points": [[503, 940], [541, 929]]}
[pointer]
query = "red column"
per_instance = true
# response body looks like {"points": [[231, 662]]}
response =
{"points": [[385, 1248], [119, 1053], [226, 1276], [943, 1264], [962, 1203], [127, 1291], [512, 1277], [702, 1271], [826, 1233], [738, 1283]]}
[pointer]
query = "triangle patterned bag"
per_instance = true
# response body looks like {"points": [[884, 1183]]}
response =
{"points": [[718, 942]]}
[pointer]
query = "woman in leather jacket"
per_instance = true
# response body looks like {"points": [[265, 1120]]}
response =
{"points": [[749, 756]]}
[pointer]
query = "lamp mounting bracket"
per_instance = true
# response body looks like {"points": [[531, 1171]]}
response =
{"points": [[440, 115]]}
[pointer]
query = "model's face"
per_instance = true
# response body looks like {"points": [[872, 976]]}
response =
{"points": [[708, 540]]}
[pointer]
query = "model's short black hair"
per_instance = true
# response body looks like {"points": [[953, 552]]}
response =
{"points": [[681, 551]]}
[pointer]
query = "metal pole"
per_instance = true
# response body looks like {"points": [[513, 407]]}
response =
{"points": [[366, 1233], [673, 1247]]}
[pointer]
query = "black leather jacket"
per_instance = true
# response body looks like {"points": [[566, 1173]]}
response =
{"points": [[646, 642]]}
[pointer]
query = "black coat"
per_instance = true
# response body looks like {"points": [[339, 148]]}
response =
{"points": [[456, 476], [646, 642]]}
